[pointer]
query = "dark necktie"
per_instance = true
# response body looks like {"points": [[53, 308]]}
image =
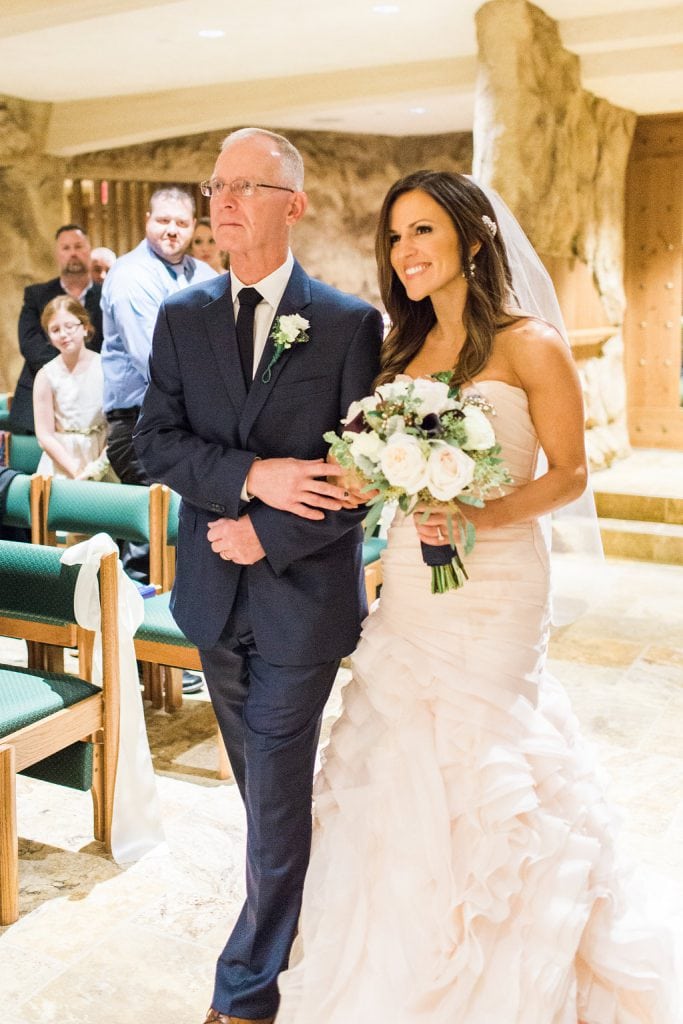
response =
{"points": [[249, 298]]}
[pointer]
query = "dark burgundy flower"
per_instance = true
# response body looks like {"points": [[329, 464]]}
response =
{"points": [[431, 424], [356, 425]]}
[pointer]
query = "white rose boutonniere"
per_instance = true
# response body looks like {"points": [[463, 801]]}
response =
{"points": [[286, 331]]}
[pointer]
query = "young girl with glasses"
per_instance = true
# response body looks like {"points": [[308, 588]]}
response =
{"points": [[67, 398]]}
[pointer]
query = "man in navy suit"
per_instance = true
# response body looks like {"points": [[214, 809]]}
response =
{"points": [[269, 582], [72, 254]]}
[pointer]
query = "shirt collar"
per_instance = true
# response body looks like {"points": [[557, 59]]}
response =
{"points": [[83, 293], [187, 265], [272, 287]]}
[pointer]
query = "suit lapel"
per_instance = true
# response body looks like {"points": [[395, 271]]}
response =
{"points": [[296, 297], [219, 319]]}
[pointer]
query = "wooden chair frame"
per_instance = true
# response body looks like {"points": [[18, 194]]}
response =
{"points": [[157, 526], [94, 719]]}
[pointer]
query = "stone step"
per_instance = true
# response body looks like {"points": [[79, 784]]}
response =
{"points": [[642, 541], [645, 507]]}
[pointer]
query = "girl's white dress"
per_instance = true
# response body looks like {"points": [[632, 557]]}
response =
{"points": [[79, 418], [463, 866]]}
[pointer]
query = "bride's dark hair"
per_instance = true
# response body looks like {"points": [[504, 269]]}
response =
{"points": [[488, 289]]}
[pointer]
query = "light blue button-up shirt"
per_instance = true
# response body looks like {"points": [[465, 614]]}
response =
{"points": [[132, 293]]}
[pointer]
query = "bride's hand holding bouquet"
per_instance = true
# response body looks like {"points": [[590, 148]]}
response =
{"points": [[423, 445]]}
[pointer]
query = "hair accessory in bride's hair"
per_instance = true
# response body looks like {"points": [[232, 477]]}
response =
{"points": [[490, 225]]}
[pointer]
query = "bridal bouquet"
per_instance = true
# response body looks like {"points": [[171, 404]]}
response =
{"points": [[420, 442]]}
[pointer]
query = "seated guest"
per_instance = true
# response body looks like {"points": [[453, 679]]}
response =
{"points": [[72, 254], [67, 398], [101, 260], [203, 246]]}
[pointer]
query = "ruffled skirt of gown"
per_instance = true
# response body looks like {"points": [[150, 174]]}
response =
{"points": [[463, 868]]}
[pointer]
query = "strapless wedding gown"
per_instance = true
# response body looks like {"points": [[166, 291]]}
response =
{"points": [[462, 869]]}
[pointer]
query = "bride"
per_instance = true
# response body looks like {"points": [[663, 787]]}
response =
{"points": [[463, 868]]}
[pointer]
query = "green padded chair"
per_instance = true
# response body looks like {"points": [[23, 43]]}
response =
{"points": [[53, 726], [23, 504], [5, 403], [124, 511], [159, 642], [22, 452]]}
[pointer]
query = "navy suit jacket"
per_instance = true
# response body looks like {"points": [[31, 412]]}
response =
{"points": [[199, 432], [37, 349]]}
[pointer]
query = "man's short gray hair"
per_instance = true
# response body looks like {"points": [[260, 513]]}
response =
{"points": [[174, 192], [292, 161]]}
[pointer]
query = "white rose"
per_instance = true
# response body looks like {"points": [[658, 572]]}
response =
{"points": [[395, 425], [480, 433], [433, 395], [368, 445], [364, 405], [403, 463], [449, 471], [292, 326], [394, 388]]}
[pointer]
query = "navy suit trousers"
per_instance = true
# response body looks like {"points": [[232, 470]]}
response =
{"points": [[270, 717]]}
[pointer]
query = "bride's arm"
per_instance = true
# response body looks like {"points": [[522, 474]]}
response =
{"points": [[545, 369]]}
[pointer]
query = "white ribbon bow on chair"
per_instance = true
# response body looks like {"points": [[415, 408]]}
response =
{"points": [[136, 820]]}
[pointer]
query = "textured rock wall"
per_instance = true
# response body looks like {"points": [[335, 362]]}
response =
{"points": [[30, 210], [558, 154], [346, 179], [604, 395]]}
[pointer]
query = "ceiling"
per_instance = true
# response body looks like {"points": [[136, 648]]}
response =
{"points": [[126, 71]]}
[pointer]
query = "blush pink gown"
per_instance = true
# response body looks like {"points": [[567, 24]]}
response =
{"points": [[463, 868]]}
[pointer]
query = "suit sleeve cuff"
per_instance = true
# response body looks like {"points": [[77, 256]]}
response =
{"points": [[244, 493]]}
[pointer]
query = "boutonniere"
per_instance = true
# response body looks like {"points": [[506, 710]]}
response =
{"points": [[287, 331]]}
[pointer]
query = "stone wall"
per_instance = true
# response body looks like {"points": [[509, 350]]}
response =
{"points": [[30, 211], [557, 154], [554, 151]]}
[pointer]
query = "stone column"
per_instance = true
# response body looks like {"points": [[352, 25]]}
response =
{"points": [[30, 211], [557, 154]]}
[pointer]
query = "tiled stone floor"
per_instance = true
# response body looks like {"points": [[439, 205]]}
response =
{"points": [[97, 944]]}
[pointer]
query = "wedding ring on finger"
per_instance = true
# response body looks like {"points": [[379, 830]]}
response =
{"points": [[439, 535]]}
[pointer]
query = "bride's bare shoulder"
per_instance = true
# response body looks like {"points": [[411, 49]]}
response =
{"points": [[536, 353], [526, 328]]}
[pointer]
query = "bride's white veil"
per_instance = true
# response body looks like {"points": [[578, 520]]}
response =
{"points": [[574, 529]]}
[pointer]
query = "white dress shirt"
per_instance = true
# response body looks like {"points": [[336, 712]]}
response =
{"points": [[272, 288]]}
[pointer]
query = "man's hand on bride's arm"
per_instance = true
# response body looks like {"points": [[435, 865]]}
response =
{"points": [[352, 483], [298, 486], [235, 540]]}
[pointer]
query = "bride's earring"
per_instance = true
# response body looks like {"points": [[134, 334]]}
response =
{"points": [[471, 270]]}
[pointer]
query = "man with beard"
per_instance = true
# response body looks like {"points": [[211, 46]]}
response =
{"points": [[72, 255]]}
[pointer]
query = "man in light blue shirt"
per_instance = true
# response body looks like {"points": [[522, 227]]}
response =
{"points": [[132, 293]]}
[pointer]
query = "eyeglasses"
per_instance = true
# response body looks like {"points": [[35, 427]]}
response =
{"points": [[68, 329], [240, 187]]}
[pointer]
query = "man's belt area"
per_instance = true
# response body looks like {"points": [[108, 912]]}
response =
{"points": [[130, 413]]}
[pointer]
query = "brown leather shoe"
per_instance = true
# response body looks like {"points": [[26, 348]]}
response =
{"points": [[214, 1017]]}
